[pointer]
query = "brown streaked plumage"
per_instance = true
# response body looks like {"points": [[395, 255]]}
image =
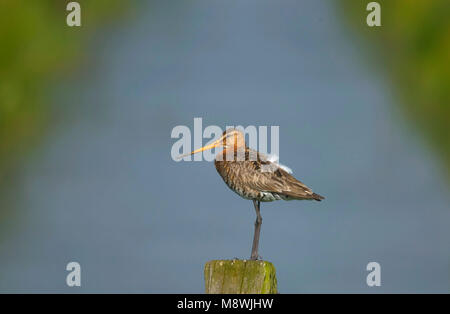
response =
{"points": [[261, 179], [254, 176]]}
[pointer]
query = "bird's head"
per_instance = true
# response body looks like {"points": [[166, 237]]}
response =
{"points": [[230, 139]]}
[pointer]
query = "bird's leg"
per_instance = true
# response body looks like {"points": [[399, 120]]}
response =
{"points": [[258, 223]]}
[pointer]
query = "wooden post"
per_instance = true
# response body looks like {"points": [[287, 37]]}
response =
{"points": [[240, 276]]}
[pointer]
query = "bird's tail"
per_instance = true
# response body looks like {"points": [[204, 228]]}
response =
{"points": [[317, 197]]}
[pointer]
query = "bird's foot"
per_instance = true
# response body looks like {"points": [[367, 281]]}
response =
{"points": [[256, 258]]}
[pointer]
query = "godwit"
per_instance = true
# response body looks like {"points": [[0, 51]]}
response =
{"points": [[255, 177]]}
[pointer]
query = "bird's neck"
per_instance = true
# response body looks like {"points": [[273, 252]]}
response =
{"points": [[231, 154]]}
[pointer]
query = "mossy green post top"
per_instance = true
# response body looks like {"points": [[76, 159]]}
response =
{"points": [[240, 276]]}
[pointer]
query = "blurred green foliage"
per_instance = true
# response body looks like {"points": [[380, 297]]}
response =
{"points": [[36, 44], [413, 44]]}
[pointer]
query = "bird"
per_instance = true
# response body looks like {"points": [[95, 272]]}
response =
{"points": [[255, 176]]}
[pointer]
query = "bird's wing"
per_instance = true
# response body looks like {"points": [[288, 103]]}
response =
{"points": [[275, 160], [270, 177]]}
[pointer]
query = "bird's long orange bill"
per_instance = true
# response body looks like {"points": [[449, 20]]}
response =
{"points": [[206, 147]]}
